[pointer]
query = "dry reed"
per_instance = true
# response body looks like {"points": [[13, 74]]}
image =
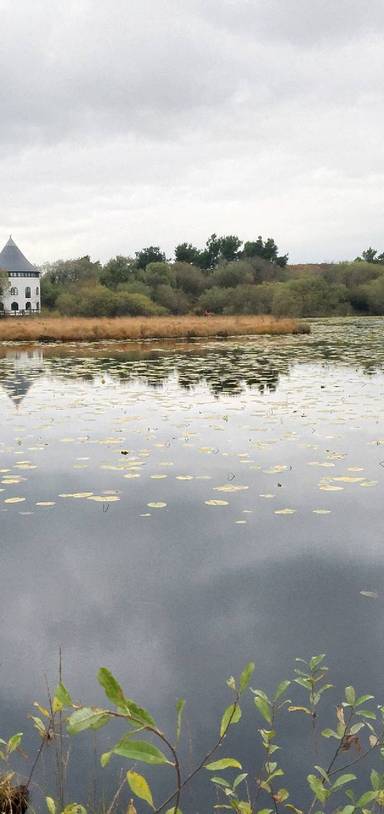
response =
{"points": [[78, 329]]}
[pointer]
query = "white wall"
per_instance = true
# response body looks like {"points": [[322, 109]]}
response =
{"points": [[21, 283]]}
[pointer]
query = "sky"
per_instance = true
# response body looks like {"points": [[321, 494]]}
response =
{"points": [[128, 123]]}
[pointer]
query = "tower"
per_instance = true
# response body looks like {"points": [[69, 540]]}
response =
{"points": [[22, 294]]}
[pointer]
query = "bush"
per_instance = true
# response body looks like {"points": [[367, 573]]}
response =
{"points": [[215, 300], [171, 299], [128, 304], [251, 299], [190, 279], [158, 274], [233, 274]]}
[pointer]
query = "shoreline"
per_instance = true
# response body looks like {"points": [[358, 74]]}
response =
{"points": [[93, 329]]}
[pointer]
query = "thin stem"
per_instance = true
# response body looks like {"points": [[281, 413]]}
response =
{"points": [[116, 797]]}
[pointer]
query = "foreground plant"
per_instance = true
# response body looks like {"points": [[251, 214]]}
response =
{"points": [[356, 735]]}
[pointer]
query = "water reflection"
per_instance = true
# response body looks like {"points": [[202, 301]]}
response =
{"points": [[177, 598]]}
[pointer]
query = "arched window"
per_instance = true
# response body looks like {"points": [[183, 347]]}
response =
{"points": [[37, 291], [27, 306], [28, 292], [1, 306], [14, 291], [15, 306], [37, 307]]}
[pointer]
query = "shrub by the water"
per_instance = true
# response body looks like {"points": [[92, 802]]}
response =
{"points": [[344, 775]]}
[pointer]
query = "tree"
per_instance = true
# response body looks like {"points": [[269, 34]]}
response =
{"points": [[152, 254], [266, 249], [64, 272], [118, 270], [190, 279], [208, 258], [229, 247], [371, 256], [186, 253], [157, 274]]}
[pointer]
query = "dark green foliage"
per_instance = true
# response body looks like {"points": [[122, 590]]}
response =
{"points": [[222, 278], [118, 270], [215, 300], [267, 249], [186, 253], [65, 272], [371, 256], [152, 254], [189, 279], [156, 274], [230, 275]]}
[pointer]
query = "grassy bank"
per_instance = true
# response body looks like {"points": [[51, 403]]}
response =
{"points": [[78, 329]]}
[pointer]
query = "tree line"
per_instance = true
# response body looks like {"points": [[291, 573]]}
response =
{"points": [[227, 276]]}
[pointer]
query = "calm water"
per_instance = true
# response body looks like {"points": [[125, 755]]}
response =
{"points": [[171, 591]]}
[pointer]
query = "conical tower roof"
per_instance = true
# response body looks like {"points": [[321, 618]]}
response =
{"points": [[12, 259]]}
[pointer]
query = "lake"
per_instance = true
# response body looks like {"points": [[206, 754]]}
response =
{"points": [[172, 511]]}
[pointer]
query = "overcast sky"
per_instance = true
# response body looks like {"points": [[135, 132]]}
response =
{"points": [[126, 123]]}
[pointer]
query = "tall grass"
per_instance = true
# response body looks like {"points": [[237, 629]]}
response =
{"points": [[79, 329]]}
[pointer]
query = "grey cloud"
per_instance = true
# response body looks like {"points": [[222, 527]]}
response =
{"points": [[125, 123]]}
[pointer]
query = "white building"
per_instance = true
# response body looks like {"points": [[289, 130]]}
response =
{"points": [[22, 294]]}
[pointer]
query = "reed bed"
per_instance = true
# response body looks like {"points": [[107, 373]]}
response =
{"points": [[79, 329]]}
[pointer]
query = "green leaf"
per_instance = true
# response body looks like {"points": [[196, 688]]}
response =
{"points": [[220, 781], [86, 718], [315, 661], [375, 779], [140, 750], [323, 773], [342, 780], [330, 733], [246, 676], [356, 728], [74, 808], [225, 763], [363, 698], [348, 809], [140, 714], [38, 724], [317, 787], [14, 742], [304, 682], [231, 716], [264, 708], [51, 805], [139, 785], [174, 811], [281, 689], [366, 713], [63, 696], [180, 704], [239, 779], [111, 687], [368, 797], [350, 695], [105, 758], [115, 694]]}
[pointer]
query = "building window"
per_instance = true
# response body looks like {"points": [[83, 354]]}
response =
{"points": [[14, 292], [27, 306], [37, 307], [1, 306], [28, 292], [37, 292], [15, 306]]}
